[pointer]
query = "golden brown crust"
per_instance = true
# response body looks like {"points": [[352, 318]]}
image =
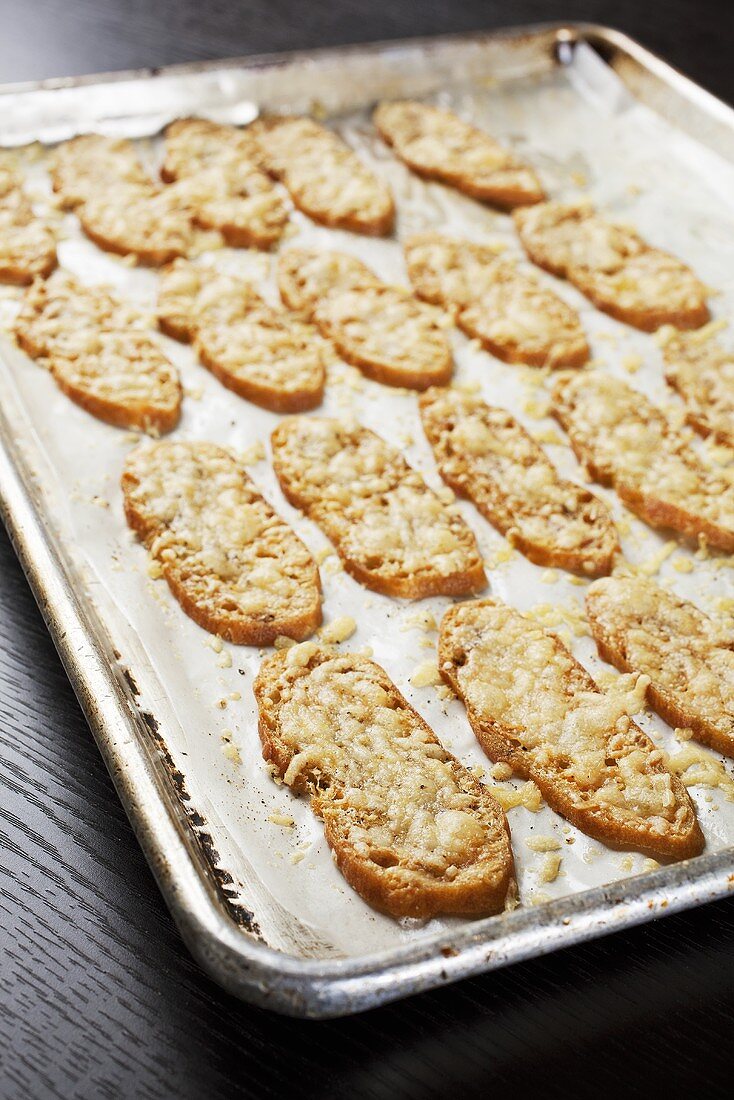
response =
{"points": [[437, 144], [324, 178], [640, 627], [27, 242], [484, 454], [236, 568], [509, 311], [392, 338], [702, 372], [613, 266], [534, 707], [224, 183], [411, 829], [100, 353], [625, 441], [262, 354], [391, 531]]}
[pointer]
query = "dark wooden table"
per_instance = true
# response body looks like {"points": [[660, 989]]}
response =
{"points": [[99, 996]]}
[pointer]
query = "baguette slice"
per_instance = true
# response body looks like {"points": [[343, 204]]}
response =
{"points": [[325, 179], [153, 226], [100, 353], [612, 265], [689, 658], [506, 309], [534, 707], [391, 531], [702, 372], [262, 354], [227, 189], [306, 276], [381, 329], [439, 145], [484, 454], [90, 164], [236, 567], [27, 243], [625, 441], [412, 830]]}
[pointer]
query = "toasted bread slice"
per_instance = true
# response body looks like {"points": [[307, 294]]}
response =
{"points": [[236, 567], [325, 179], [508, 310], [484, 454], [391, 531], [412, 830], [306, 277], [27, 243], [689, 658], [625, 441], [381, 329], [534, 707], [153, 226], [100, 353], [702, 372], [265, 355], [227, 189], [612, 265], [88, 165], [439, 145]]}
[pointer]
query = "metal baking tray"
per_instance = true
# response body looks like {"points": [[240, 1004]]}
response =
{"points": [[261, 907]]}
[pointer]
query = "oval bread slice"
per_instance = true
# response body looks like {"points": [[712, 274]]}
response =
{"points": [[484, 454], [236, 568], [625, 441], [227, 189], [689, 658], [325, 179], [412, 830], [702, 372], [264, 355], [507, 309], [534, 707], [391, 531], [439, 145], [27, 243], [612, 265], [381, 329], [153, 226], [100, 353], [89, 164]]}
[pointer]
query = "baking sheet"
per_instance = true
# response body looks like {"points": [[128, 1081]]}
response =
{"points": [[587, 136]]}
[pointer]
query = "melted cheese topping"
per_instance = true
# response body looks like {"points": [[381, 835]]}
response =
{"points": [[154, 226], [439, 143], [227, 189], [484, 453], [376, 510], [688, 656], [703, 374], [384, 328], [525, 682], [306, 276], [88, 165], [188, 293], [98, 347], [631, 444], [609, 263], [374, 767], [325, 178], [27, 243], [215, 536]]}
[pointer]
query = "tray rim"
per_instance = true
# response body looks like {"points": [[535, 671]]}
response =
{"points": [[240, 963]]}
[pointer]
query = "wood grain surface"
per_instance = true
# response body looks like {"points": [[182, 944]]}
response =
{"points": [[98, 996]]}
